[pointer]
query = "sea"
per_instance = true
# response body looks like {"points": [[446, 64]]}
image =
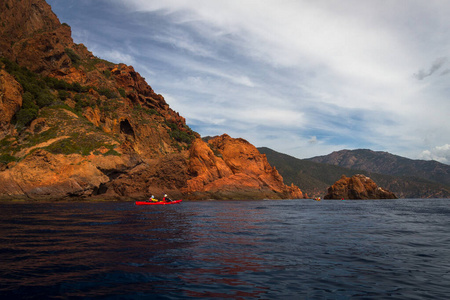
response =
{"points": [[267, 249]]}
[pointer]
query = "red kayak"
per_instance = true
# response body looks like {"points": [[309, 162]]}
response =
{"points": [[157, 203]]}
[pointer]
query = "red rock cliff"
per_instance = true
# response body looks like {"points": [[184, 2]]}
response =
{"points": [[10, 101], [233, 168], [33, 36]]}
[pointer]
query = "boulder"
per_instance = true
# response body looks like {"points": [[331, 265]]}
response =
{"points": [[357, 187]]}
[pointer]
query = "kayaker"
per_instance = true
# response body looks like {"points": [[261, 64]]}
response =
{"points": [[152, 198], [166, 199]]}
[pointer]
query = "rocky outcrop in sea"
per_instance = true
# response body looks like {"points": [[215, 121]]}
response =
{"points": [[357, 187]]}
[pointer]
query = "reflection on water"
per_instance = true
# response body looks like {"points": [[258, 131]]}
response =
{"points": [[226, 249], [228, 246]]}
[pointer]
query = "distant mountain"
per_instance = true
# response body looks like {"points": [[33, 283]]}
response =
{"points": [[388, 164], [315, 177]]}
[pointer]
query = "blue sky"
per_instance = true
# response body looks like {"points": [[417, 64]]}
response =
{"points": [[301, 77]]}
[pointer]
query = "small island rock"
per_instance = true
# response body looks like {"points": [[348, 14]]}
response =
{"points": [[357, 187]]}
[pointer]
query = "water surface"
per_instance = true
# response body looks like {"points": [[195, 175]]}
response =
{"points": [[289, 249]]}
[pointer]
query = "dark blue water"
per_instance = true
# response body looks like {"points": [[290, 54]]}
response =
{"points": [[293, 249]]}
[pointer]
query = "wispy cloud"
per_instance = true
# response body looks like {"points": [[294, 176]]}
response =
{"points": [[437, 64], [116, 56]]}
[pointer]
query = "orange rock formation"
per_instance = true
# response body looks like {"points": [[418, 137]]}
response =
{"points": [[233, 168], [357, 187], [10, 100]]}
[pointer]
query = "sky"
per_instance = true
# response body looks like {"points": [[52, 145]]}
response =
{"points": [[304, 78]]}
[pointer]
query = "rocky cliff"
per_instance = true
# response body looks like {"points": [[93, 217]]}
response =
{"points": [[233, 169], [357, 187], [74, 125]]}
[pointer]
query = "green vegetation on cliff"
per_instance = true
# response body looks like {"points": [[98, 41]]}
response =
{"points": [[183, 136], [53, 99], [38, 91]]}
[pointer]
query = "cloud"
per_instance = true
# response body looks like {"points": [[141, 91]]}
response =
{"points": [[435, 66], [313, 140], [445, 72], [438, 153], [116, 56], [185, 43]]}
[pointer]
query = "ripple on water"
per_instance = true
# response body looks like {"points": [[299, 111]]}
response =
{"points": [[227, 249]]}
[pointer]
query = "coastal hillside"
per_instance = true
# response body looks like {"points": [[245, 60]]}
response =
{"points": [[73, 125], [315, 177]]}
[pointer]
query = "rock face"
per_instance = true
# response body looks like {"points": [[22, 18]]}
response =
{"points": [[10, 101], [44, 175], [74, 125], [33, 36], [232, 169], [357, 187]]}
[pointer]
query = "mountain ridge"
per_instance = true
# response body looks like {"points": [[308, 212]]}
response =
{"points": [[315, 177], [387, 163]]}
